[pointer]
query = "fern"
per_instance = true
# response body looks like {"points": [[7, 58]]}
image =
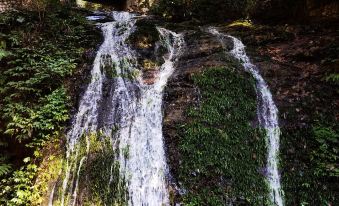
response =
{"points": [[5, 168], [333, 78]]}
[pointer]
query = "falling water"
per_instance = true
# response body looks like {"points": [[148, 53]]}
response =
{"points": [[267, 114], [146, 162], [117, 100], [87, 119]]}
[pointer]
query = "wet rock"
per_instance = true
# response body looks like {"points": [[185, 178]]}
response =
{"points": [[149, 77]]}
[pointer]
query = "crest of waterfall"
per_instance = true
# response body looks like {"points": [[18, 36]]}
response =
{"points": [[267, 113], [119, 105]]}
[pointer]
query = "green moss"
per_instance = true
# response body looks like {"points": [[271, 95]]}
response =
{"points": [[221, 153], [145, 34], [48, 173], [309, 159], [104, 180], [100, 181], [241, 23], [148, 64], [110, 69]]}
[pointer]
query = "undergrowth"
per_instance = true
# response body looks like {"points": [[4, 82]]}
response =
{"points": [[310, 160], [38, 56]]}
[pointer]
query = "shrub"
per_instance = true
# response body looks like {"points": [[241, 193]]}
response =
{"points": [[39, 54]]}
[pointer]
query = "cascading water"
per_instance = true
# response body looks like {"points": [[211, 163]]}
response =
{"points": [[267, 114], [86, 121], [118, 104], [146, 162]]}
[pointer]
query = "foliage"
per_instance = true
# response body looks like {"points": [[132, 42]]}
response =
{"points": [[326, 154], [17, 189], [217, 136], [42, 121], [206, 10], [333, 78], [22, 183], [295, 11], [5, 168], [272, 11], [310, 160], [33, 99], [4, 54], [175, 10], [38, 56]]}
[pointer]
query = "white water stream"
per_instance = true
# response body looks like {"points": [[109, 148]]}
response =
{"points": [[267, 114], [86, 120], [130, 108], [146, 163]]}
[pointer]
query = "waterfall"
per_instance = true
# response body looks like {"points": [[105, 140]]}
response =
{"points": [[267, 114], [86, 120], [146, 162], [118, 104]]}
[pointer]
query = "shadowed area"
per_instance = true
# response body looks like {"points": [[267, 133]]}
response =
{"points": [[116, 4]]}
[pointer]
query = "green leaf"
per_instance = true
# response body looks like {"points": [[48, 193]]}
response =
{"points": [[5, 169], [27, 159], [4, 54]]}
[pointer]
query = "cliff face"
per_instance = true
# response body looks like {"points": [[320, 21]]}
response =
{"points": [[296, 61]]}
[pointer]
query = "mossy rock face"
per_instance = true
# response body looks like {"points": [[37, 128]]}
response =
{"points": [[145, 35], [102, 183], [221, 154], [145, 40], [94, 174], [295, 62]]}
